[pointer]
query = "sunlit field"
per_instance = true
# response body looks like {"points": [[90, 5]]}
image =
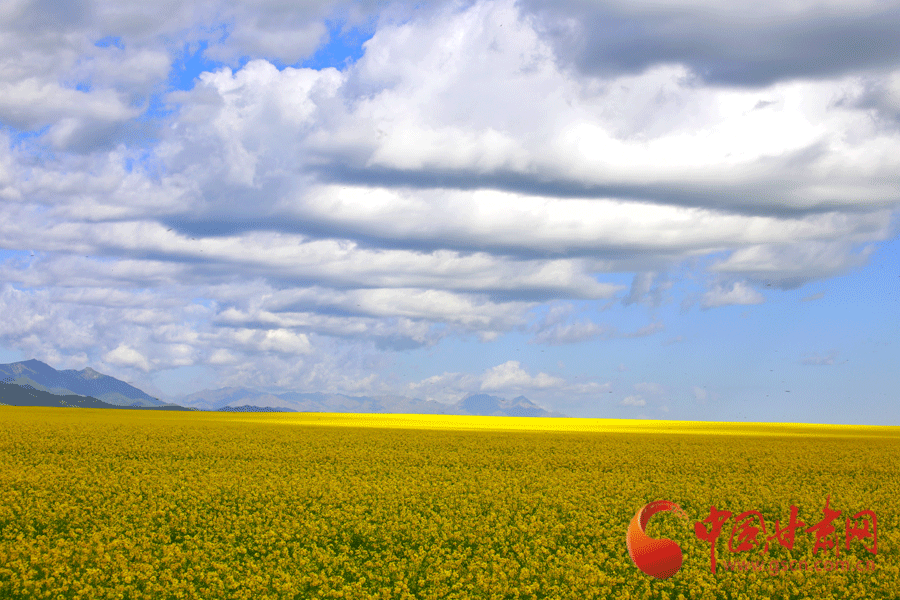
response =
{"points": [[153, 504]]}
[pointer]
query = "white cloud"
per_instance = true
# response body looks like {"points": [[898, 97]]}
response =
{"points": [[31, 104], [813, 297], [571, 333], [508, 379], [272, 340], [640, 287], [134, 70], [221, 356], [646, 330], [234, 127], [236, 120], [447, 387], [820, 359], [633, 401], [495, 219], [25, 313], [589, 389], [511, 375], [127, 356], [790, 266], [8, 168], [738, 293], [284, 341], [556, 333]]}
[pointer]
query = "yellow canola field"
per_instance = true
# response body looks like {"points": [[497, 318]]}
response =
{"points": [[547, 424], [156, 505]]}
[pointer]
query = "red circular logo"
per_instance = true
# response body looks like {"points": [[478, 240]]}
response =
{"points": [[659, 558]]}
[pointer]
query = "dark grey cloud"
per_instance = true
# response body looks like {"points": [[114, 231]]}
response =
{"points": [[881, 98], [46, 16], [742, 44]]}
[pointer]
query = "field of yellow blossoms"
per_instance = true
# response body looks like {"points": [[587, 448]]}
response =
{"points": [[103, 504]]}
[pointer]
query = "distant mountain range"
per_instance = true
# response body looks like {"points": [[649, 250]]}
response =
{"points": [[236, 398], [19, 395], [87, 382], [38, 378]]}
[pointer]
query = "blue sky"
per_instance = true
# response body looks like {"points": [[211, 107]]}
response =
{"points": [[577, 202]]}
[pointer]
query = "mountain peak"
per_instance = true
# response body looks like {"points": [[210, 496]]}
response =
{"points": [[487, 405], [89, 373], [86, 382], [32, 366]]}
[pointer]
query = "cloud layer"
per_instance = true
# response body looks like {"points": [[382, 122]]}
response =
{"points": [[478, 163]]}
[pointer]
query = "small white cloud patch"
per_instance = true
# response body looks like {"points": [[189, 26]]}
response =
{"points": [[126, 356], [511, 375], [820, 359], [633, 401], [739, 293]]}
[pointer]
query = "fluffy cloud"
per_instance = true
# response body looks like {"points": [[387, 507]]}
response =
{"points": [[737, 293], [127, 356], [511, 375], [793, 265]]}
